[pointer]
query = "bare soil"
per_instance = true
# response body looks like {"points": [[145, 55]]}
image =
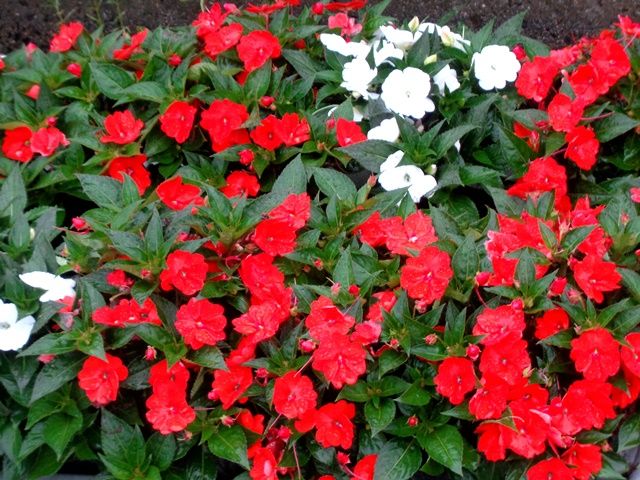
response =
{"points": [[556, 22]]}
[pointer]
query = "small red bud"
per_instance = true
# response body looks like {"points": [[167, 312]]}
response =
{"points": [[227, 421], [175, 60], [75, 69], [431, 339], [413, 421], [343, 458], [482, 278], [517, 304], [520, 52], [354, 290], [150, 353], [473, 352], [46, 358], [267, 101], [306, 346]]}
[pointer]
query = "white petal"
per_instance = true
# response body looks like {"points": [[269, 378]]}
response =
{"points": [[392, 161], [8, 313], [41, 280], [387, 130], [17, 335], [422, 186]]}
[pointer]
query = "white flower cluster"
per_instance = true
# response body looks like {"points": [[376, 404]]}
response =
{"points": [[407, 92], [14, 333]]}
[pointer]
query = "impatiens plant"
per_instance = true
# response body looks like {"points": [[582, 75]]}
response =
{"points": [[313, 242]]}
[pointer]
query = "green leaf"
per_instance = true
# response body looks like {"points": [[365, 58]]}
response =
{"points": [[103, 191], [629, 434], [59, 430], [397, 460], [302, 62], [121, 442], [574, 238], [162, 449], [465, 261], [631, 280], [13, 195], [371, 153], [380, 415], [111, 80], [150, 91], [444, 445], [230, 444], [209, 357], [55, 374], [614, 126], [293, 179], [334, 184], [446, 140]]}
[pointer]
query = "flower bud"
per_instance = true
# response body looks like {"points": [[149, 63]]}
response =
{"points": [[431, 339], [482, 278], [343, 458], [306, 346], [431, 59], [46, 358], [227, 421], [413, 421], [354, 290], [519, 52], [267, 101], [414, 24], [317, 8], [150, 353], [473, 352], [174, 60]]}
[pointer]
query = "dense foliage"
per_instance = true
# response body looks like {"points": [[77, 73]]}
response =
{"points": [[317, 243]]}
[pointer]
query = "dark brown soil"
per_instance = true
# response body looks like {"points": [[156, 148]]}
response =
{"points": [[556, 22]]}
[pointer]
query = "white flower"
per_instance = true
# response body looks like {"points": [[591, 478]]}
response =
{"points": [[337, 44], [447, 77], [452, 39], [393, 177], [387, 130], [56, 287], [494, 66], [357, 75], [406, 92], [403, 39], [384, 50], [14, 333]]}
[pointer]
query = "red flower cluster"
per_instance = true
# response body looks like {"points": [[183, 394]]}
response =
{"points": [[21, 143], [272, 132], [127, 312], [607, 63], [133, 167], [167, 407], [66, 37]]}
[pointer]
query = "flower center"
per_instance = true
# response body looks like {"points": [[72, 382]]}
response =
{"points": [[4, 326]]}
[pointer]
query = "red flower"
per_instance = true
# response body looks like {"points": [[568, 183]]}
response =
{"points": [[596, 276], [185, 271], [586, 458], [373, 230], [631, 354], [127, 312], [531, 432], [456, 377], [410, 236], [427, 276], [265, 136], [587, 84], [582, 147], [201, 322], [550, 469], [223, 121], [332, 422], [101, 379], [497, 323], [326, 320], [128, 49], [493, 439], [365, 469], [490, 400], [177, 120], [610, 60], [596, 354], [16, 144], [385, 302], [340, 360], [260, 276], [295, 210], [66, 38], [253, 423], [348, 26], [122, 128], [293, 395], [168, 410], [119, 279], [256, 48], [552, 322], [160, 375], [46, 140], [536, 78], [241, 183], [507, 359], [531, 136], [210, 20], [260, 322], [134, 168], [564, 114], [586, 405], [265, 465], [544, 175], [222, 40], [178, 195], [345, 6], [349, 133], [229, 385], [275, 237], [75, 69], [292, 130]]}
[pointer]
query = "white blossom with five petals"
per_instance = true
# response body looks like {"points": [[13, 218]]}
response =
{"points": [[14, 333], [406, 92], [494, 66], [57, 288]]}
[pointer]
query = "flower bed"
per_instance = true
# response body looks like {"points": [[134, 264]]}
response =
{"points": [[315, 243]]}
